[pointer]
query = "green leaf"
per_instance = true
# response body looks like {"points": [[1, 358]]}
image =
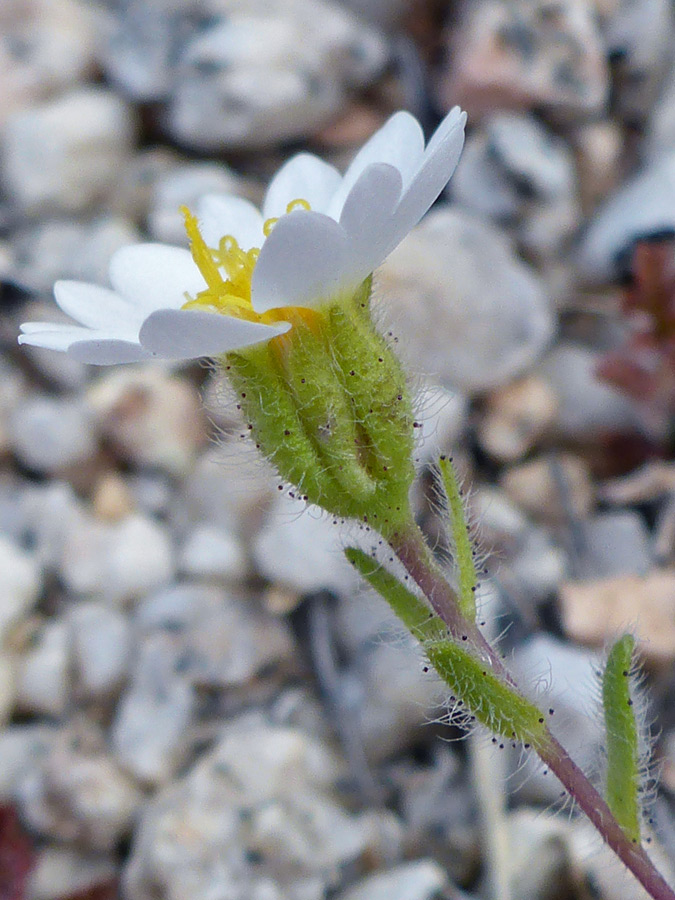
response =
{"points": [[466, 569], [484, 694], [623, 764]]}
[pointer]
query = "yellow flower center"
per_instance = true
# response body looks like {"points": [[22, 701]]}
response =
{"points": [[227, 272]]}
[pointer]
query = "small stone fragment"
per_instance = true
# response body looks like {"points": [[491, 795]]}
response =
{"points": [[45, 47], [210, 552], [78, 794], [150, 734], [101, 648], [43, 679], [151, 418], [595, 611], [64, 872], [422, 879], [550, 489], [586, 406], [65, 154], [476, 324], [119, 561], [524, 55], [516, 418], [50, 434], [20, 584], [301, 548], [641, 207]]}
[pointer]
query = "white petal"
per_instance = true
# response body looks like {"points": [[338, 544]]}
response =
{"points": [[189, 334], [221, 214], [367, 217], [435, 170], [52, 335], [84, 344], [155, 276], [304, 177], [95, 306], [303, 261], [400, 143], [108, 352], [56, 327]]}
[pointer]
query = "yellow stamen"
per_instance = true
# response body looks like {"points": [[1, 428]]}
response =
{"points": [[228, 271], [269, 225]]}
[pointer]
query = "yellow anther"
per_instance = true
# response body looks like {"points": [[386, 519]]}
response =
{"points": [[269, 225], [298, 203], [228, 271]]}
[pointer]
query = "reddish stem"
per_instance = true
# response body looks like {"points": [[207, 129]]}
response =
{"points": [[412, 550]]}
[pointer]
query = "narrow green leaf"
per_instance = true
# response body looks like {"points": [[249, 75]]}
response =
{"points": [[471, 681], [410, 609], [623, 766], [462, 542], [493, 702]]}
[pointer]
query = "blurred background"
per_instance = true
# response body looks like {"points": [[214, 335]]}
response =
{"points": [[197, 698]]}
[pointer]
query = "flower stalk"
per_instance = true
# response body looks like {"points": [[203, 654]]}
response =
{"points": [[501, 708]]}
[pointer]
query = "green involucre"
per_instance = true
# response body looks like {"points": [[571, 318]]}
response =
{"points": [[484, 695], [463, 547], [621, 735], [328, 404]]}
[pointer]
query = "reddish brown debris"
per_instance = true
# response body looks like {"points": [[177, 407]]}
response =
{"points": [[17, 855]]}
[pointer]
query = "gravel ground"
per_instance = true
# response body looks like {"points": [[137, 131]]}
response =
{"points": [[197, 698]]}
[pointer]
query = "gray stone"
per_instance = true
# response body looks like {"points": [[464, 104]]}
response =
{"points": [[517, 172], [45, 47], [422, 879], [300, 547], [586, 406], [222, 640], [538, 856], [638, 34], [539, 567], [117, 561], [65, 154], [151, 417], [150, 734], [185, 185], [269, 72], [525, 55], [230, 487], [47, 514], [210, 552], [78, 794], [7, 687], [615, 543], [12, 395], [247, 75], [390, 695], [63, 872], [474, 324], [50, 249], [444, 416], [257, 813], [660, 136], [20, 584], [560, 677], [641, 207], [101, 648], [22, 749], [49, 434], [139, 46], [43, 678]]}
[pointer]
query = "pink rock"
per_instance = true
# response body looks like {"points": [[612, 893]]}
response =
{"points": [[529, 53]]}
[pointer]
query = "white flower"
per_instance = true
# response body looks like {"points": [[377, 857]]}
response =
{"points": [[346, 228]]}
